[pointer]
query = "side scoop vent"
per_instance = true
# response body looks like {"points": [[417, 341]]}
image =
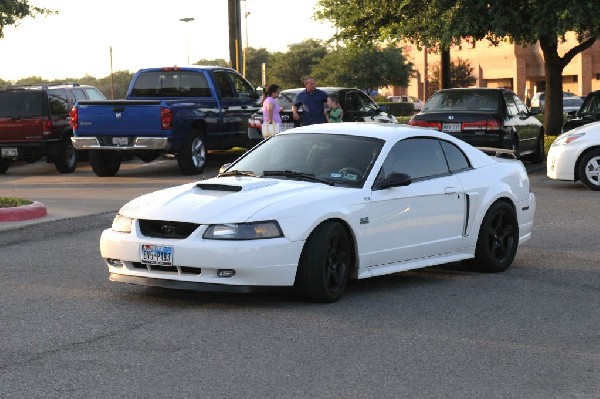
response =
{"points": [[218, 187]]}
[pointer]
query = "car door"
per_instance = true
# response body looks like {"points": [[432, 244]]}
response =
{"points": [[238, 101], [522, 122], [424, 219]]}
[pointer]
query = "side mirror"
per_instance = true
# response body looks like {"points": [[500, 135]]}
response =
{"points": [[534, 111], [393, 180], [384, 108]]}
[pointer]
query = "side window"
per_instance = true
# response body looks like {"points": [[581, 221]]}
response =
{"points": [[94, 94], [58, 101], [366, 104], [79, 95], [420, 158], [457, 161], [510, 104], [352, 102], [223, 84], [242, 87], [521, 108]]}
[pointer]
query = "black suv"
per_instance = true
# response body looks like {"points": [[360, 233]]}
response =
{"points": [[34, 123], [588, 112], [493, 120]]}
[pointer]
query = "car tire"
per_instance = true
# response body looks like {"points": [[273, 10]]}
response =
{"points": [[66, 159], [192, 158], [498, 239], [4, 164], [325, 263], [589, 169], [539, 155], [105, 163]]}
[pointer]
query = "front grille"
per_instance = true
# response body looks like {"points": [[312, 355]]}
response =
{"points": [[167, 229], [169, 269]]}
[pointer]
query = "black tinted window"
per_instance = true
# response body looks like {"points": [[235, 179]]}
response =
{"points": [[464, 100], [57, 99], [21, 104], [171, 83], [418, 157], [457, 161]]}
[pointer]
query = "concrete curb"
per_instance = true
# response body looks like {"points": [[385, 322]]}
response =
{"points": [[24, 212]]}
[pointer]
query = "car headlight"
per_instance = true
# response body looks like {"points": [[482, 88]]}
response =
{"points": [[243, 231], [122, 224], [567, 138]]}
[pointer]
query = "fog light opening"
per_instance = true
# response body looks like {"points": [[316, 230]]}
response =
{"points": [[225, 272], [114, 262]]}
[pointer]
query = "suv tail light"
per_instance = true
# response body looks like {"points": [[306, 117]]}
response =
{"points": [[421, 123], [166, 118], [255, 122], [74, 122], [47, 127], [486, 124]]}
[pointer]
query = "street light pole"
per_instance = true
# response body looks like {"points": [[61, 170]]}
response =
{"points": [[187, 38], [246, 46]]}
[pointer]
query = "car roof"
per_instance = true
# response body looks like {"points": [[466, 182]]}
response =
{"points": [[392, 132], [325, 89]]}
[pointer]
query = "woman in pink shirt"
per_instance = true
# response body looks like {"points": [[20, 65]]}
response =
{"points": [[271, 108]]}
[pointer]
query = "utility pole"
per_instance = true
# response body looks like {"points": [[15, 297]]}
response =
{"points": [[235, 34], [445, 68]]}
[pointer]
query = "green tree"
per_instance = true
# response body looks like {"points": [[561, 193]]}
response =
{"points": [[365, 67], [216, 62], [254, 60], [120, 84], [288, 69], [12, 11], [461, 75], [443, 22]]}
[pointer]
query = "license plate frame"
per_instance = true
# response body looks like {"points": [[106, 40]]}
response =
{"points": [[158, 255], [451, 127], [10, 152], [120, 140]]}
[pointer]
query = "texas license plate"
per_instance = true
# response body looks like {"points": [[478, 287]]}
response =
{"points": [[157, 255], [120, 140], [8, 152], [286, 126], [451, 127]]}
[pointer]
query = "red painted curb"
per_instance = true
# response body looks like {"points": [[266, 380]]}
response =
{"points": [[24, 212]]}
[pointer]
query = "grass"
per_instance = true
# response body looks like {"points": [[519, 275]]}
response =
{"points": [[10, 202]]}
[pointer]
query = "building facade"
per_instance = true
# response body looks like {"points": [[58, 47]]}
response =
{"points": [[516, 67]]}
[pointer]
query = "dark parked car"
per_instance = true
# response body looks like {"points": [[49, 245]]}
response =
{"points": [[494, 120], [357, 106], [588, 112], [35, 123]]}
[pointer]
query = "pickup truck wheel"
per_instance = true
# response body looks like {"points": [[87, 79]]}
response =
{"points": [[4, 164], [66, 159], [192, 158], [105, 163]]}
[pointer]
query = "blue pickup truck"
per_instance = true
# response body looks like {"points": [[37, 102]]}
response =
{"points": [[177, 111]]}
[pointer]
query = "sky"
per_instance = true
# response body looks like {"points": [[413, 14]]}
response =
{"points": [[145, 33]]}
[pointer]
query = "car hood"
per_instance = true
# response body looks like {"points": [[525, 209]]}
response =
{"points": [[231, 199]]}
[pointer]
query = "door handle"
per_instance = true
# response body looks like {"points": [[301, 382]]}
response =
{"points": [[450, 190]]}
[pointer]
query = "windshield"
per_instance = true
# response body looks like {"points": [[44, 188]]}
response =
{"points": [[463, 100], [334, 159]]}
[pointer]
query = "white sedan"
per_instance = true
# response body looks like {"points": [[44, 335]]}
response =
{"points": [[575, 155], [314, 206]]}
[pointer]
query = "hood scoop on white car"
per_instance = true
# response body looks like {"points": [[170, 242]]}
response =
{"points": [[237, 184]]}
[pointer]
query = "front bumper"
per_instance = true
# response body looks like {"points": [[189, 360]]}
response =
{"points": [[137, 143], [561, 160], [196, 261]]}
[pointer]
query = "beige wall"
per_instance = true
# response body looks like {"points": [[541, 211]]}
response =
{"points": [[520, 68]]}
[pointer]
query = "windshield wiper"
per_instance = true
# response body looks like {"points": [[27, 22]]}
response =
{"points": [[297, 175], [236, 172]]}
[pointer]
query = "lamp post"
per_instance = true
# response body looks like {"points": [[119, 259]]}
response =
{"points": [[187, 38], [246, 46]]}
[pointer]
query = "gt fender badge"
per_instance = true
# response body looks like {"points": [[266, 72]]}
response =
{"points": [[364, 220]]}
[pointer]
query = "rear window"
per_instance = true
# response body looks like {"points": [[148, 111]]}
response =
{"points": [[463, 100], [22, 104], [170, 84]]}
